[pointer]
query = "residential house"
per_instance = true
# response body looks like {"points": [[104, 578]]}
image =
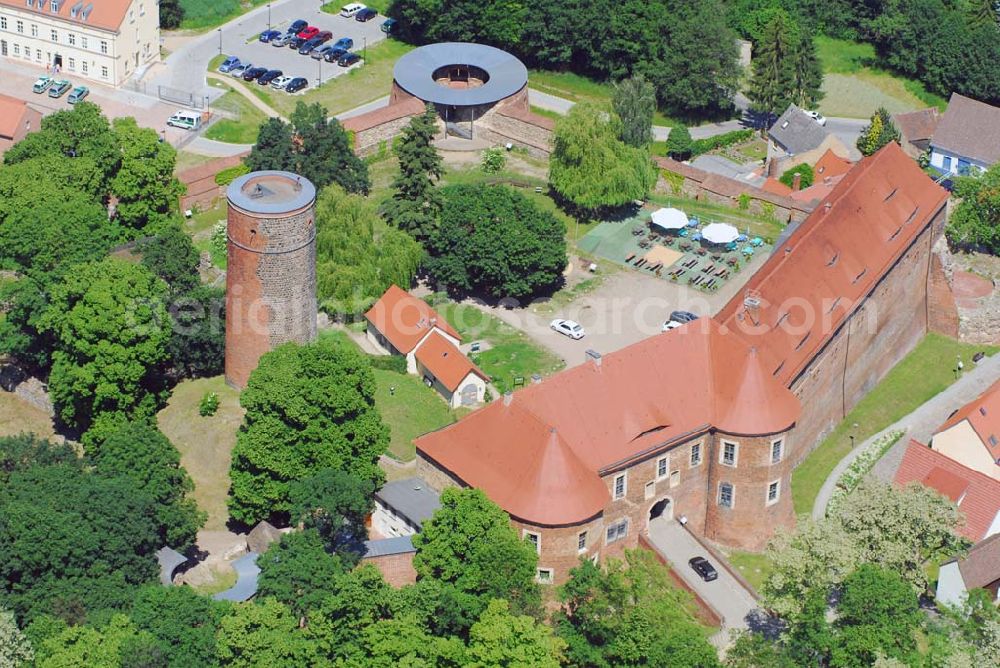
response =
{"points": [[402, 506], [101, 40], [967, 138], [17, 119], [971, 436], [979, 569], [916, 129], [796, 138]]}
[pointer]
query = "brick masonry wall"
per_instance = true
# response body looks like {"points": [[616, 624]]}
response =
{"points": [[397, 569], [367, 142], [942, 310]]}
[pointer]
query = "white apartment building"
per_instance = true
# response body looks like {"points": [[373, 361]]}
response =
{"points": [[101, 40]]}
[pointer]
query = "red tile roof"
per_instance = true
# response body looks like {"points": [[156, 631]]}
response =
{"points": [[12, 113], [981, 500], [106, 14], [829, 165], [404, 320], [597, 417], [983, 414], [773, 185], [443, 359], [810, 285], [918, 125]]}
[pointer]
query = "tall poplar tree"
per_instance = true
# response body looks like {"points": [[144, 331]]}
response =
{"points": [[773, 66], [634, 100], [416, 202], [807, 73]]}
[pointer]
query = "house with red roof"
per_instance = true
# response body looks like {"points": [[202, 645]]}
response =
{"points": [[971, 436], [401, 324], [17, 119]]}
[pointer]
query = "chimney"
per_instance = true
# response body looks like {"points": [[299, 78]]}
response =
{"points": [[536, 378], [797, 181], [594, 355], [772, 168], [508, 397]]}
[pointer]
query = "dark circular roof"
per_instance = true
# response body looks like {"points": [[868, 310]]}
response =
{"points": [[414, 73], [271, 192]]}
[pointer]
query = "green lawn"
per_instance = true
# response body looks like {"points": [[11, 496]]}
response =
{"points": [[925, 372], [763, 227], [577, 88], [201, 15], [511, 353], [751, 565], [410, 408], [855, 86], [200, 226], [243, 128]]}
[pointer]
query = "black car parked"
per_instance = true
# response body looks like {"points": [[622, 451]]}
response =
{"points": [[297, 26], [254, 73], [268, 77], [366, 14], [295, 85], [334, 54], [309, 45], [296, 42], [703, 568], [348, 59]]}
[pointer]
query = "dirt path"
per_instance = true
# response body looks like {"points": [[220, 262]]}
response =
{"points": [[254, 100]]}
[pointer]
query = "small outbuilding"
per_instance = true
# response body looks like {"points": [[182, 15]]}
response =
{"points": [[967, 140]]}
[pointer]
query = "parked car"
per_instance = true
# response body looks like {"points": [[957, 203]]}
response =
{"points": [[228, 64], [678, 318], [296, 84], [59, 88], [345, 43], [816, 116], [703, 568], [297, 26], [280, 82], [387, 26], [78, 94], [268, 35], [308, 32], [334, 54], [282, 40], [308, 47], [42, 84], [569, 328], [325, 36], [348, 59], [269, 76], [350, 10], [253, 73], [366, 14], [240, 70], [320, 51], [295, 42]]}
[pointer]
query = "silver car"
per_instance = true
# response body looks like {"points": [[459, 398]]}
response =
{"points": [[568, 328], [238, 71], [282, 40], [280, 82]]}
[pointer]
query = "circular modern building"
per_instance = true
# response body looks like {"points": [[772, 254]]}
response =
{"points": [[271, 274]]}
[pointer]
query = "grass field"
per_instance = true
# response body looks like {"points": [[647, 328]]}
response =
{"points": [[205, 443], [187, 160], [243, 128], [510, 353], [203, 14], [17, 417], [925, 372], [200, 226], [410, 408], [577, 88], [751, 565], [855, 86]]}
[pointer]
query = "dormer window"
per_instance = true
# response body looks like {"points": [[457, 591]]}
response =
{"points": [[833, 260], [891, 195], [803, 341], [860, 276]]}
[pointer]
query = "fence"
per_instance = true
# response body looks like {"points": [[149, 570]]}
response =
{"points": [[166, 93]]}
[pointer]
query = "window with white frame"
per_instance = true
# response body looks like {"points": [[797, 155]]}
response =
{"points": [[777, 450], [83, 42], [20, 26], [104, 72], [662, 465], [3, 22], [34, 30], [83, 66], [71, 38], [104, 46], [621, 486], [71, 63], [726, 495], [581, 541], [729, 454], [773, 492], [17, 49], [535, 540], [545, 575], [54, 6], [617, 531], [54, 35], [675, 478], [695, 454], [650, 490]]}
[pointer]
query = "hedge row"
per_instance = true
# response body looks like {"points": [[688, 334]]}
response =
{"points": [[229, 174], [395, 363], [699, 146]]}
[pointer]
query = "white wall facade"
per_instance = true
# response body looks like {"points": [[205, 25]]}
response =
{"points": [[949, 162]]}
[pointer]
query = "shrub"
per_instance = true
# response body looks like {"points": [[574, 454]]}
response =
{"points": [[679, 143], [744, 201], [229, 174], [699, 146], [494, 160], [804, 170], [860, 467], [218, 242], [209, 404]]}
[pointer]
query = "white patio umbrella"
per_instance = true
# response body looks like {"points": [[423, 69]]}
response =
{"points": [[719, 233], [670, 219]]}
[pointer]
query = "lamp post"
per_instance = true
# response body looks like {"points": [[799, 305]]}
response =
{"points": [[365, 56], [319, 76], [269, 16], [219, 30]]}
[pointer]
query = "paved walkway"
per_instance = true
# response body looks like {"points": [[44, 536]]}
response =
{"points": [[725, 595], [920, 424]]}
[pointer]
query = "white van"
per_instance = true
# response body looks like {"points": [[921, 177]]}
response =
{"points": [[185, 120], [350, 10]]}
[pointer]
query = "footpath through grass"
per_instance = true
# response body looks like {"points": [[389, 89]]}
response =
{"points": [[921, 375], [246, 119], [201, 15]]}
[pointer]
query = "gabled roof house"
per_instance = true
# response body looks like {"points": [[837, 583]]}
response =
{"points": [[967, 137]]}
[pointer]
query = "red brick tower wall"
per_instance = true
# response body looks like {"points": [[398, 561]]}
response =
{"points": [[271, 275]]}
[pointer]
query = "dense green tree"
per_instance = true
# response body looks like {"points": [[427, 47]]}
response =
{"points": [[976, 220], [47, 178], [171, 255], [810, 639], [324, 153], [983, 13], [183, 622], [497, 23], [773, 66], [139, 452], [401, 642], [807, 73], [634, 100], [263, 633], [416, 201], [298, 571], [879, 132], [197, 343], [115, 644], [111, 329], [496, 241], [501, 638], [335, 504], [441, 607], [591, 167], [877, 613], [469, 543], [357, 255], [274, 149], [145, 187], [679, 143], [308, 408], [22, 335], [171, 14], [15, 648], [21, 452]]}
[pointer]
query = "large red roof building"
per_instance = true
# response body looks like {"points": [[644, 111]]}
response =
{"points": [[708, 420]]}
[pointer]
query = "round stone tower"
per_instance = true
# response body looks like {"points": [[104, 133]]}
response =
{"points": [[271, 275]]}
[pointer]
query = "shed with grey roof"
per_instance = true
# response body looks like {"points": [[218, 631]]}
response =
{"points": [[402, 507]]}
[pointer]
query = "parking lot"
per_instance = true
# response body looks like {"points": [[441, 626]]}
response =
{"points": [[244, 44]]}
